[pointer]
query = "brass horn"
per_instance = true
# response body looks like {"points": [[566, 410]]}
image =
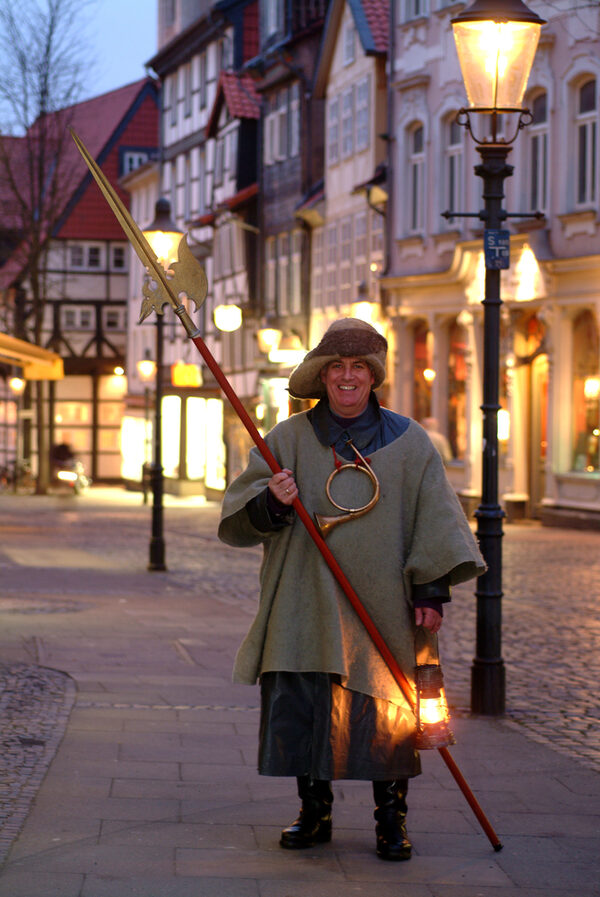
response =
{"points": [[326, 523]]}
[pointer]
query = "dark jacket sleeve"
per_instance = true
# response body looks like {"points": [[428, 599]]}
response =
{"points": [[432, 594], [267, 514]]}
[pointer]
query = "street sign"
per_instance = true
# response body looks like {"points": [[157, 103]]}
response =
{"points": [[496, 246]]}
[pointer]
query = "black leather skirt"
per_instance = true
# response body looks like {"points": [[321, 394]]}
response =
{"points": [[311, 725]]}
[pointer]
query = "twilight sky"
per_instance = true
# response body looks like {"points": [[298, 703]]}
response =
{"points": [[122, 37]]}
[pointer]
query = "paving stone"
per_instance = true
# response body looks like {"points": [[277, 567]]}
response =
{"points": [[153, 790]]}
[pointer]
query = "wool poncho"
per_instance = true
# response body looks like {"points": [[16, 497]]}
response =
{"points": [[416, 533]]}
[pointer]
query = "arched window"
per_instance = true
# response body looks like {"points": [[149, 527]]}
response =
{"points": [[537, 200], [416, 179], [453, 167], [587, 143], [586, 393]]}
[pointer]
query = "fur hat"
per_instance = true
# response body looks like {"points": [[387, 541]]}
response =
{"points": [[346, 338]]}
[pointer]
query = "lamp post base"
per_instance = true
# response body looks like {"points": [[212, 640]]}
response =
{"points": [[157, 542], [488, 686]]}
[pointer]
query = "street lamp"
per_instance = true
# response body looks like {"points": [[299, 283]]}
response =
{"points": [[496, 42], [163, 236]]}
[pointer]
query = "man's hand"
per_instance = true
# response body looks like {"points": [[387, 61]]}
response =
{"points": [[428, 618], [283, 486]]}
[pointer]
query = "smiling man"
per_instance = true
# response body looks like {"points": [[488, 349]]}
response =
{"points": [[330, 708]]}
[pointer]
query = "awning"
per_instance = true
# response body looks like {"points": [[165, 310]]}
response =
{"points": [[37, 363]]}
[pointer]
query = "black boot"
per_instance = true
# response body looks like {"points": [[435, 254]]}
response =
{"points": [[313, 825], [390, 813]]}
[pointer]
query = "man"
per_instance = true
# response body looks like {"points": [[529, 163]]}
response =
{"points": [[330, 708]]}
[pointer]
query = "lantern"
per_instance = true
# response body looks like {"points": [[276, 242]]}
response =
{"points": [[433, 729], [496, 42]]}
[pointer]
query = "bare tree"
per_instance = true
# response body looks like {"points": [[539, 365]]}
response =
{"points": [[43, 60]]}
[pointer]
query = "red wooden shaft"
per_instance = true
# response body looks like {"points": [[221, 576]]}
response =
{"points": [[470, 797], [404, 684]]}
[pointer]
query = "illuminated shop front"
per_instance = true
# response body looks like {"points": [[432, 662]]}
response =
{"points": [[193, 450], [549, 418]]}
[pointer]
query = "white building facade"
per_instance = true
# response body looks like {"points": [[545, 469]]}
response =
{"points": [[549, 423]]}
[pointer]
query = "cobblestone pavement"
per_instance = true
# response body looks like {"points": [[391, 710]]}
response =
{"points": [[551, 629]]}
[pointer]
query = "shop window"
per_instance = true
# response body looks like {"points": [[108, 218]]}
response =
{"points": [[422, 367], [586, 393], [457, 390]]}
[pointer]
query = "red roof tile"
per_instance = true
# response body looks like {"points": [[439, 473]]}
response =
{"points": [[377, 14], [240, 96]]}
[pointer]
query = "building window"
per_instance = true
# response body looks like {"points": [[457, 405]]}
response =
{"points": [[203, 80], [586, 126], [73, 318], [169, 11], [347, 123], [113, 318], [271, 273], [173, 188], [362, 115], [187, 188], [296, 274], [333, 131], [132, 159], [346, 285], [331, 297], [273, 17], [453, 166], [415, 9], [416, 176], [202, 181], [173, 99], [361, 249], [457, 390], [294, 119], [93, 257], [118, 257], [219, 161], [538, 155], [282, 125], [187, 89], [349, 42], [76, 257], [283, 265], [586, 393]]}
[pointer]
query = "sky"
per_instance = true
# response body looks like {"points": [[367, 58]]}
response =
{"points": [[122, 38]]}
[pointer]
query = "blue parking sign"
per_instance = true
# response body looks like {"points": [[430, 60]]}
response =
{"points": [[496, 246]]}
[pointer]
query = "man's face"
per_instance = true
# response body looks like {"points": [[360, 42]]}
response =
{"points": [[348, 382]]}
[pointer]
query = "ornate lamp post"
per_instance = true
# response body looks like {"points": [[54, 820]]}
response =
{"points": [[163, 236], [496, 42]]}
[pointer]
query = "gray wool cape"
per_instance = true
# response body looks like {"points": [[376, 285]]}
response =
{"points": [[416, 533]]}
